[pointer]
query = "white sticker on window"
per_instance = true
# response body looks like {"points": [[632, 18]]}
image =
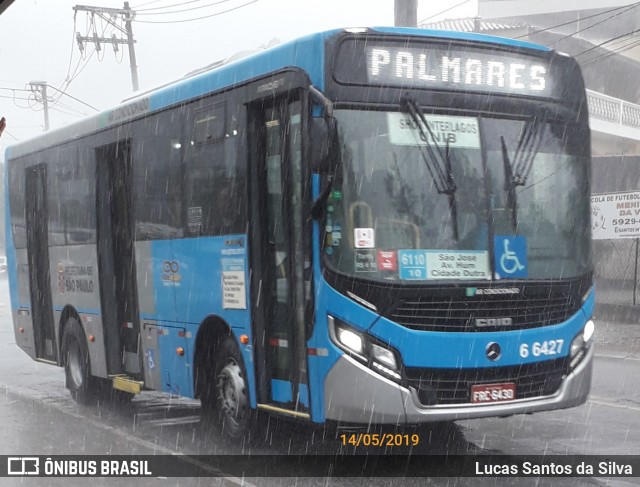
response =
{"points": [[459, 132], [363, 238]]}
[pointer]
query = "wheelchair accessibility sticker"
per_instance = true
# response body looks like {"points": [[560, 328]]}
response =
{"points": [[510, 254]]}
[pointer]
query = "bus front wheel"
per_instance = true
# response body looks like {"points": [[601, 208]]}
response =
{"points": [[227, 396], [76, 363]]}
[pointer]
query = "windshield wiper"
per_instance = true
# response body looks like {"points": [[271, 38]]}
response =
{"points": [[517, 172], [438, 163]]}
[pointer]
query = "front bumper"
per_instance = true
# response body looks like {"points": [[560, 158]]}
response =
{"points": [[356, 394]]}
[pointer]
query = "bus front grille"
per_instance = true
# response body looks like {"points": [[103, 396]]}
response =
{"points": [[453, 386], [468, 315]]}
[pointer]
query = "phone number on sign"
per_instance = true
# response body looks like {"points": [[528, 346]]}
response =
{"points": [[379, 439], [625, 221]]}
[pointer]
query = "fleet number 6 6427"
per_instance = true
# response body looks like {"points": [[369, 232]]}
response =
{"points": [[547, 347]]}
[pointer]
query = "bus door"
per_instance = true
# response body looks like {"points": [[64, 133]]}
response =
{"points": [[116, 259], [38, 258], [277, 257]]}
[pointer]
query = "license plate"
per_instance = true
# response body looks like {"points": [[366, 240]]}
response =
{"points": [[486, 393]]}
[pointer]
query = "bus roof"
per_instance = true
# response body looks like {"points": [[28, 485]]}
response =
{"points": [[303, 53]]}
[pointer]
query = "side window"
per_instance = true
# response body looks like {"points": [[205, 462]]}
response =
{"points": [[79, 204], [71, 199], [209, 124], [158, 147], [59, 175], [17, 201], [215, 184]]}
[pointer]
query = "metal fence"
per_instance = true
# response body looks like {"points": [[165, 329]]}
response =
{"points": [[617, 265], [616, 269]]}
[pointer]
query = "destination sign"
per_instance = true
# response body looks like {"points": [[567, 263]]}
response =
{"points": [[447, 67]]}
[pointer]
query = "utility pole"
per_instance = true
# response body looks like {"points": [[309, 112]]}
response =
{"points": [[40, 88], [405, 13], [111, 15], [132, 53]]}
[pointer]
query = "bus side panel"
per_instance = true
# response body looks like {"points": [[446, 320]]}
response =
{"points": [[19, 284], [17, 266], [74, 282], [176, 360], [24, 298], [203, 263], [212, 280], [23, 331], [158, 274], [155, 300]]}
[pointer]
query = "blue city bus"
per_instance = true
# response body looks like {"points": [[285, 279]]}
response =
{"points": [[376, 225]]}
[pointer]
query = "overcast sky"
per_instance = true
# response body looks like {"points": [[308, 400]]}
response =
{"points": [[37, 43]]}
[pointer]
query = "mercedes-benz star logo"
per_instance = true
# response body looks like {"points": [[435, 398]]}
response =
{"points": [[493, 351]]}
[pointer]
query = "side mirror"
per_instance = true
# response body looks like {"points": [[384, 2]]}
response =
{"points": [[324, 145]]}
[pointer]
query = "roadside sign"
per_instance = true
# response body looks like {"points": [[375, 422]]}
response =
{"points": [[615, 215]]}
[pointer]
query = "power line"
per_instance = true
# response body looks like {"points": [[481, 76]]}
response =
{"points": [[11, 135], [14, 98], [570, 22], [166, 6], [185, 9], [630, 45], [14, 89], [198, 18], [70, 108], [607, 42], [617, 43], [444, 11], [73, 39], [71, 77], [596, 24], [148, 3], [74, 98], [72, 113]]}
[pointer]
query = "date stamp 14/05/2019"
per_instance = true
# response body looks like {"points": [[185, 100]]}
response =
{"points": [[379, 439]]}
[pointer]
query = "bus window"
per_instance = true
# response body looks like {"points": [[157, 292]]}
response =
{"points": [[17, 201], [72, 217], [157, 174], [214, 184]]}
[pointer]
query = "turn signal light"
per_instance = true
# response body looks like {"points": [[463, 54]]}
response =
{"points": [[21, 329], [244, 339], [180, 351], [92, 338]]}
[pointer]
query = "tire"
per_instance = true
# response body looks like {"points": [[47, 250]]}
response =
{"points": [[225, 396], [77, 368]]}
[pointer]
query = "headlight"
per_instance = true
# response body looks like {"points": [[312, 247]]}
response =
{"points": [[384, 362], [589, 328], [576, 345], [580, 344], [362, 347], [384, 356], [350, 339]]}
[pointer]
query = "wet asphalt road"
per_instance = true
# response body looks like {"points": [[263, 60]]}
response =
{"points": [[39, 417]]}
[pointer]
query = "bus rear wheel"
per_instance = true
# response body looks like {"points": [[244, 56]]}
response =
{"points": [[226, 399], [76, 363]]}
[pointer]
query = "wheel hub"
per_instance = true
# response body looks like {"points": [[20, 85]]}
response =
{"points": [[232, 391], [75, 365]]}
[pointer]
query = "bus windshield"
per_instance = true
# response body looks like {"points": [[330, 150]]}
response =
{"points": [[388, 217]]}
